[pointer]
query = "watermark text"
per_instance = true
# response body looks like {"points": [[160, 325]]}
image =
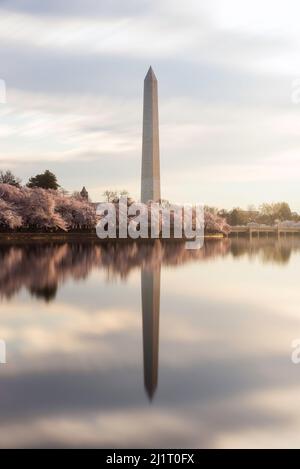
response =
{"points": [[138, 220], [2, 352], [2, 92]]}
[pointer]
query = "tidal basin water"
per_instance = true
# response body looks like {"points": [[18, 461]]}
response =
{"points": [[150, 345]]}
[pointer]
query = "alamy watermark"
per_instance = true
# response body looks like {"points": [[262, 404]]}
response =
{"points": [[2, 352], [295, 356], [138, 220], [2, 92]]}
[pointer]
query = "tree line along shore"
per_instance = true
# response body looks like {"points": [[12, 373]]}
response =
{"points": [[42, 206]]}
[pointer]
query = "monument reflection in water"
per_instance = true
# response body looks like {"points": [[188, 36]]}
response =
{"points": [[41, 269], [89, 344], [150, 285]]}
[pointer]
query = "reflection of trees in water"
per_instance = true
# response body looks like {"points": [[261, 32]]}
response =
{"points": [[40, 268], [48, 292], [120, 259], [268, 250]]}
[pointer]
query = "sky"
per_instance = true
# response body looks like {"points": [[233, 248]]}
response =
{"points": [[229, 95]]}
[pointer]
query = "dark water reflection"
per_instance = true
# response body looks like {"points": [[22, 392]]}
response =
{"points": [[42, 268], [72, 316]]}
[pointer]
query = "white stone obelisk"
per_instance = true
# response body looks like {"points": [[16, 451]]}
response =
{"points": [[150, 187]]}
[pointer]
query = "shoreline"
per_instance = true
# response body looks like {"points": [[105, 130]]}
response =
{"points": [[88, 236]]}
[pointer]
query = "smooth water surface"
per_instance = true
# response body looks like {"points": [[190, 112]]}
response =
{"points": [[150, 345]]}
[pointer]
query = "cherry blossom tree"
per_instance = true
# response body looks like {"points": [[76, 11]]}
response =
{"points": [[49, 210], [42, 209], [76, 213], [8, 217]]}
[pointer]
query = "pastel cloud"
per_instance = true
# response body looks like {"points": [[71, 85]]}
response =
{"points": [[74, 77]]}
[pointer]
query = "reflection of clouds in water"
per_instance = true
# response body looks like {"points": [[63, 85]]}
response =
{"points": [[75, 371], [65, 336], [50, 406], [41, 268], [202, 328], [133, 427]]}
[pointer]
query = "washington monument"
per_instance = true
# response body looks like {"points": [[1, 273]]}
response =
{"points": [[150, 187]]}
